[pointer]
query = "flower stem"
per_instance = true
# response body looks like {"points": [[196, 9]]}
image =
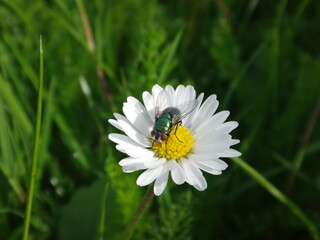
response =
{"points": [[145, 202]]}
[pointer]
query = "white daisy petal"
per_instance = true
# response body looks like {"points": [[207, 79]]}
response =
{"points": [[206, 110], [155, 164], [191, 93], [209, 107], [121, 148], [194, 175], [210, 160], [191, 120], [155, 91], [133, 160], [201, 156], [220, 117], [161, 182], [217, 147], [133, 133], [227, 127], [210, 125], [215, 163], [126, 149], [170, 90], [230, 153], [190, 169], [119, 116], [177, 172], [148, 176], [200, 99], [133, 168], [216, 134], [202, 184], [140, 165], [215, 138], [138, 115], [115, 124], [123, 140], [171, 93], [136, 152], [234, 142], [207, 167], [186, 96], [137, 119], [180, 95], [149, 103]]}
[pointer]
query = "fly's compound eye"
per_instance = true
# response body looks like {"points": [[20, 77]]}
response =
{"points": [[163, 137], [152, 133]]}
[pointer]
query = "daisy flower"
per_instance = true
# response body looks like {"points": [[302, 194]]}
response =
{"points": [[174, 132]]}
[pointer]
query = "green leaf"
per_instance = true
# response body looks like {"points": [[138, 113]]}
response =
{"points": [[81, 215]]}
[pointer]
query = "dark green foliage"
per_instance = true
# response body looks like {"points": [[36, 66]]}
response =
{"points": [[261, 58], [174, 219]]}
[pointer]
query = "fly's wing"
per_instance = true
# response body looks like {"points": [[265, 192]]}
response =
{"points": [[185, 109], [163, 102]]}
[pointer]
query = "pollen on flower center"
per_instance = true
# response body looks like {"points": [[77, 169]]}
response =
{"points": [[178, 144]]}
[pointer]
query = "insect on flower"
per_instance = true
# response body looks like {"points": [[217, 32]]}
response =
{"points": [[187, 137], [166, 116]]}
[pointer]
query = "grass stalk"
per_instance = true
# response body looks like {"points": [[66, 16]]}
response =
{"points": [[92, 48], [35, 150], [279, 196], [86, 25], [311, 123]]}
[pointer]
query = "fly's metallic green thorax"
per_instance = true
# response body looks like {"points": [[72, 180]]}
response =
{"points": [[163, 125]]}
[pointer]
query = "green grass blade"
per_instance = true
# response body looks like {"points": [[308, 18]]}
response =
{"points": [[19, 11], [102, 220], [237, 80], [15, 106], [11, 42], [35, 149], [6, 148], [7, 156], [278, 195], [166, 66], [86, 25], [46, 126], [71, 140]]}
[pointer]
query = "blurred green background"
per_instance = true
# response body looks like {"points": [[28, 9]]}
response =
{"points": [[260, 57]]}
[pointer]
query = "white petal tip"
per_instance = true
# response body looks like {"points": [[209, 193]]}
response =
{"points": [[139, 183], [200, 188], [231, 153], [111, 121], [127, 170], [157, 191], [234, 142]]}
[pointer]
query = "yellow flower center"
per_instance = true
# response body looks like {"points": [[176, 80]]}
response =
{"points": [[178, 144]]}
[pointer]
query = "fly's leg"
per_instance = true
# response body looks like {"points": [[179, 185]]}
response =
{"points": [[179, 123]]}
